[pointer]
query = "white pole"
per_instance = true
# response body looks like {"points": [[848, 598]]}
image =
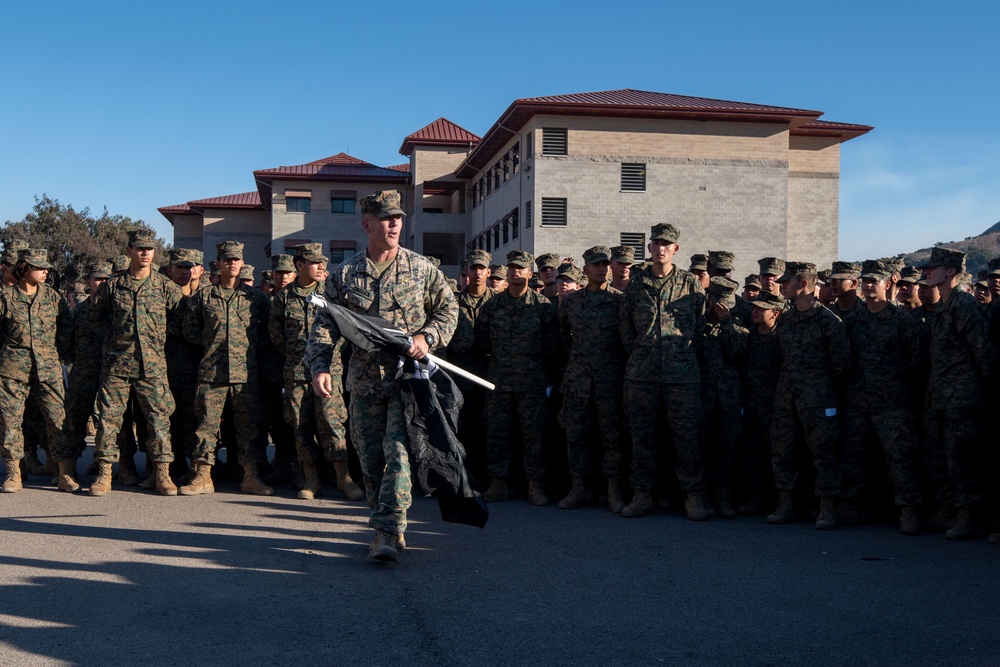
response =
{"points": [[461, 371]]}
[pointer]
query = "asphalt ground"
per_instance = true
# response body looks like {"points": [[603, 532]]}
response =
{"points": [[136, 579]]}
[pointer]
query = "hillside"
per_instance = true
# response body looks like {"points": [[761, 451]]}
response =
{"points": [[979, 250]]}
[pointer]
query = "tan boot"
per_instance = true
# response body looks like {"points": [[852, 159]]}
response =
{"points": [[101, 485], [752, 506], [252, 483], [498, 491], [827, 517], [694, 507], [536, 493], [12, 484], [577, 496], [615, 502], [383, 547], [51, 469], [31, 463], [400, 542], [345, 483], [66, 478], [964, 528], [943, 519], [164, 485], [785, 511], [127, 472], [200, 482], [641, 505], [909, 523], [312, 487], [724, 503], [994, 538]]}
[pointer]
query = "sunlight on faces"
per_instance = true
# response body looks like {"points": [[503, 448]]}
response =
{"points": [[231, 267], [597, 272], [140, 257], [518, 276], [383, 233], [35, 275], [620, 270], [874, 288], [282, 278], [662, 252], [477, 275]]}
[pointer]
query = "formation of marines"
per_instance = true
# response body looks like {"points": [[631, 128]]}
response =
{"points": [[643, 384]]}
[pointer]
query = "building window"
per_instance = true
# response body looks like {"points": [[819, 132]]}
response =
{"points": [[496, 236], [496, 176], [527, 215], [636, 241], [633, 177], [489, 183], [514, 222], [341, 205], [530, 142], [342, 250], [554, 141], [475, 194], [553, 211], [297, 204], [515, 157]]}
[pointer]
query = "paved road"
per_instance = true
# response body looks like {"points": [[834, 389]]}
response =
{"points": [[228, 579]]}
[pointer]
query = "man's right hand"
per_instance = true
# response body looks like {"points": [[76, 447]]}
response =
{"points": [[323, 385]]}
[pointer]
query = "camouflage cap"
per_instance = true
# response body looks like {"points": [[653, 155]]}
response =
{"points": [[876, 269], [535, 282], [993, 268], [267, 275], [664, 232], [229, 250], [478, 257], [723, 290], [78, 287], [567, 271], [309, 252], [549, 260], [186, 257], [120, 263], [214, 269], [246, 273], [699, 262], [520, 258], [823, 277], [981, 280], [142, 238], [771, 266], [282, 262], [753, 280], [845, 271], [598, 253], [895, 264], [794, 269], [102, 270], [910, 274], [383, 204], [35, 257], [463, 266], [623, 254], [498, 271], [10, 250], [768, 301], [946, 257], [721, 259]]}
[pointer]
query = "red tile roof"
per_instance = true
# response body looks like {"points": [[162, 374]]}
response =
{"points": [[826, 128], [441, 132], [626, 97], [400, 167], [339, 167], [242, 200], [169, 212]]}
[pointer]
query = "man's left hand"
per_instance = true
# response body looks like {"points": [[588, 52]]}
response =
{"points": [[418, 350]]}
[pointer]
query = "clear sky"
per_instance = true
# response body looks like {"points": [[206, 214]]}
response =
{"points": [[134, 105]]}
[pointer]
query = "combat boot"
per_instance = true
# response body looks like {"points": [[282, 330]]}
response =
{"points": [[281, 472], [615, 502], [12, 483], [909, 523], [752, 506], [251, 481], [994, 538], [694, 507], [724, 503], [536, 493], [150, 482], [312, 487], [964, 528], [200, 481], [641, 505], [51, 469], [102, 484], [400, 542], [578, 495], [383, 547], [785, 511], [848, 512], [943, 520], [827, 517], [345, 483], [66, 478], [498, 491], [31, 463], [164, 485], [127, 473]]}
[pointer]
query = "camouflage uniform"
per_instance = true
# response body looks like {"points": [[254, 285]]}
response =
{"points": [[183, 358], [520, 336], [761, 366], [413, 296]]}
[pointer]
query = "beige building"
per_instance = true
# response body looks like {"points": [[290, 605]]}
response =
{"points": [[561, 174]]}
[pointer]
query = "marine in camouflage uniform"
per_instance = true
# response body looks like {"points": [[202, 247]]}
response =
{"points": [[36, 326], [815, 351], [271, 362], [663, 320], [885, 344], [589, 321], [721, 264], [517, 329], [318, 421], [961, 358], [133, 308], [183, 358], [229, 322], [404, 288]]}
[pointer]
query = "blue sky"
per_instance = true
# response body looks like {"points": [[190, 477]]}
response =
{"points": [[134, 106]]}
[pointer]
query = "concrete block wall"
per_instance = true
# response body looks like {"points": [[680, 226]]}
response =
{"points": [[249, 227], [813, 213]]}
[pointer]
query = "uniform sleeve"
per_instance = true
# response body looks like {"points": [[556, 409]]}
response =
{"points": [[626, 328], [838, 346], [100, 306], [482, 330], [192, 322], [734, 341], [441, 308], [465, 334], [974, 329], [910, 345], [276, 321], [324, 337], [64, 332]]}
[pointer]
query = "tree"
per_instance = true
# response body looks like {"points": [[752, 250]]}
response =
{"points": [[75, 239]]}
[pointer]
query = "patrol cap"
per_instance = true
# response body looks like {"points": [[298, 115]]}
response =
{"points": [[768, 301], [535, 282], [267, 275], [464, 265], [895, 264], [520, 258], [664, 232], [699, 262], [568, 271], [246, 273], [214, 269], [910, 274], [309, 252], [478, 257], [186, 257], [981, 282], [946, 257], [723, 290], [102, 270], [10, 250], [794, 269], [597, 254], [993, 268], [623, 254], [142, 238], [498, 271], [120, 263], [383, 204], [771, 266], [282, 262], [876, 269], [229, 250], [823, 277], [78, 287], [845, 271], [549, 260], [35, 257], [721, 259], [753, 280]]}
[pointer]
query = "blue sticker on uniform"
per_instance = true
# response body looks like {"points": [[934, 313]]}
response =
{"points": [[831, 412]]}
